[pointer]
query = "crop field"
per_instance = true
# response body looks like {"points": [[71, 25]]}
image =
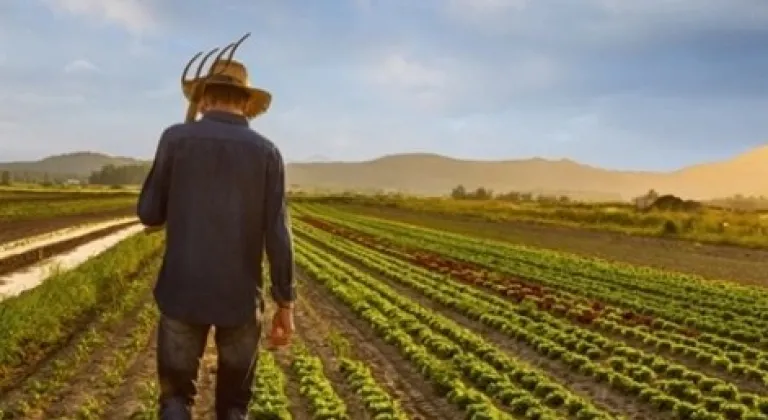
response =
{"points": [[394, 321], [25, 213]]}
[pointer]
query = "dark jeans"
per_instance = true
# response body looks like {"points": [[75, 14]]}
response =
{"points": [[180, 347]]}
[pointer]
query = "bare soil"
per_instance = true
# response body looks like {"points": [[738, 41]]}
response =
{"points": [[205, 403], [23, 259], [18, 229], [722, 262]]}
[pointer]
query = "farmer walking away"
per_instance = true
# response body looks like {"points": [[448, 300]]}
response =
{"points": [[218, 187]]}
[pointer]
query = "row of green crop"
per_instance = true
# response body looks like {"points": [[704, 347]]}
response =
{"points": [[14, 210], [549, 269], [720, 293], [444, 348], [737, 359], [316, 388], [676, 286], [37, 394], [112, 374], [37, 321], [269, 402], [269, 398], [546, 334]]}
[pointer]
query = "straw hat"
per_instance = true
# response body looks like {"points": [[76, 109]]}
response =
{"points": [[233, 73]]}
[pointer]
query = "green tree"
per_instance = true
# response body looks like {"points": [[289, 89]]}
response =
{"points": [[5, 178], [482, 193], [120, 175], [459, 193]]}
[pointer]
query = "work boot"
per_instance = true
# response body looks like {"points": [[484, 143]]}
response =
{"points": [[174, 409]]}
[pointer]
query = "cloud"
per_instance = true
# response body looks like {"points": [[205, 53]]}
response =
{"points": [[80, 66], [134, 15], [408, 80], [397, 71], [459, 83], [603, 81]]}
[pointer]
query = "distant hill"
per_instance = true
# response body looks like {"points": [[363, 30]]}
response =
{"points": [[432, 174], [74, 165]]}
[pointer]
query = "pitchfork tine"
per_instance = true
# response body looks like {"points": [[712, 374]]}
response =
{"points": [[232, 48], [202, 63], [189, 65], [237, 45], [218, 58]]}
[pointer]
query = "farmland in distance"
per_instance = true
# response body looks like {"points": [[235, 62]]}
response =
{"points": [[396, 319]]}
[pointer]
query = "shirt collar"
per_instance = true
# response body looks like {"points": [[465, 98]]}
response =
{"points": [[225, 117]]}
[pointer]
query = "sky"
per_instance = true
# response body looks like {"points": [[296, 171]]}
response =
{"points": [[652, 84]]}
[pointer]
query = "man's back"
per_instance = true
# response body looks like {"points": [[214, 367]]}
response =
{"points": [[223, 197]]}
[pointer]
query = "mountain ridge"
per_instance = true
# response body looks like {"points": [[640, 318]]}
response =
{"points": [[436, 174]]}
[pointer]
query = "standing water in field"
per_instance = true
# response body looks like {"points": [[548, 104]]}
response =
{"points": [[15, 283]]}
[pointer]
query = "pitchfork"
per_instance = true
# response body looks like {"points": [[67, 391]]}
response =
{"points": [[198, 88]]}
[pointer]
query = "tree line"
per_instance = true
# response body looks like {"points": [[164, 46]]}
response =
{"points": [[107, 175], [120, 175], [481, 193]]}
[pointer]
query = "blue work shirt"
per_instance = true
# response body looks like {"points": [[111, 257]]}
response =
{"points": [[219, 188]]}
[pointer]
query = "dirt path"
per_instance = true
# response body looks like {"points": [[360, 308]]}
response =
{"points": [[130, 397], [18, 229], [724, 262], [390, 369], [205, 403]]}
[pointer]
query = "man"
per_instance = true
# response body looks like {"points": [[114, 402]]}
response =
{"points": [[219, 189]]}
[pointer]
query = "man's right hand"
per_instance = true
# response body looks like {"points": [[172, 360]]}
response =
{"points": [[282, 326]]}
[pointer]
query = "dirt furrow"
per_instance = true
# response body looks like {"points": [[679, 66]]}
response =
{"points": [[129, 398], [205, 402], [389, 367], [23, 259], [312, 333], [97, 378], [44, 379], [19, 229], [299, 406], [14, 377]]}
